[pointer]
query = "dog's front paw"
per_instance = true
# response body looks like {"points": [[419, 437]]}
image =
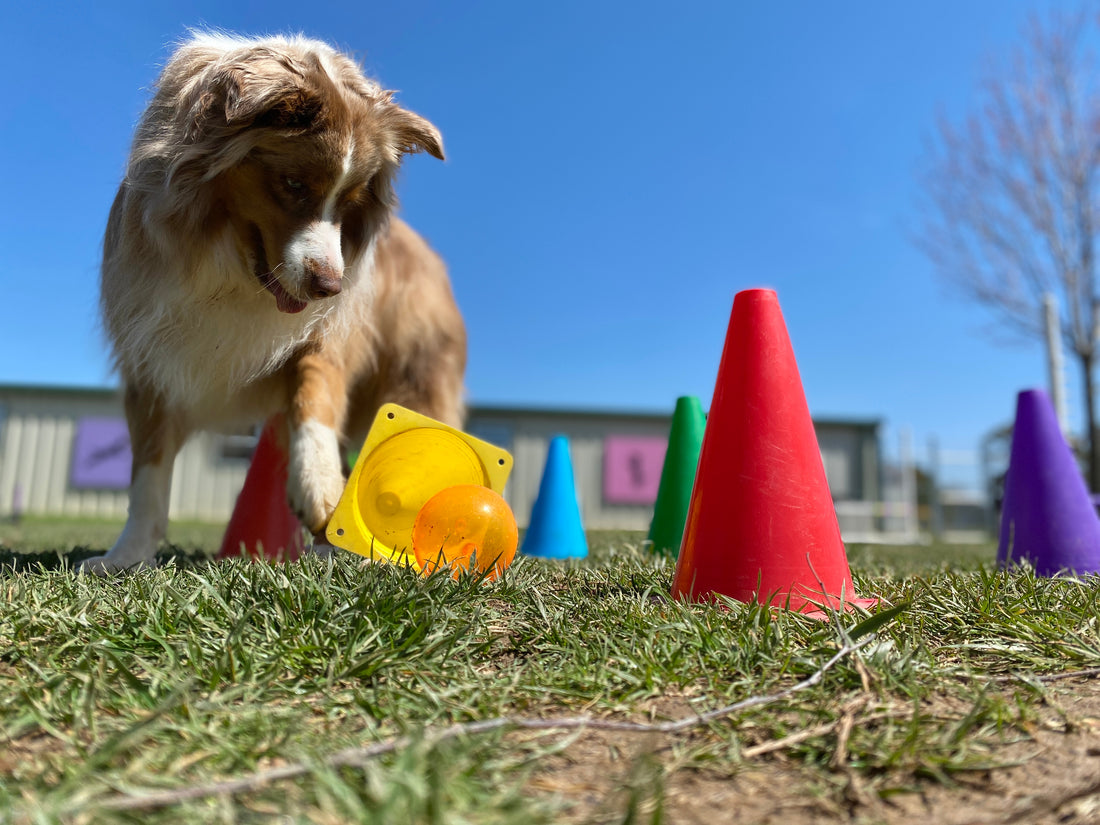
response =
{"points": [[321, 546], [136, 549], [316, 481], [108, 566]]}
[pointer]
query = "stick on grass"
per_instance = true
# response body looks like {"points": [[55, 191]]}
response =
{"points": [[354, 757]]}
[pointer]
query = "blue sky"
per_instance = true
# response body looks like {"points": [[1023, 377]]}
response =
{"points": [[616, 172]]}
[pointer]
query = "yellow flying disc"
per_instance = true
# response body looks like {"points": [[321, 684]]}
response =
{"points": [[406, 459]]}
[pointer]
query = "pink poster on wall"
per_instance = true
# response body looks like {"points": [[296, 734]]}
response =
{"points": [[632, 468]]}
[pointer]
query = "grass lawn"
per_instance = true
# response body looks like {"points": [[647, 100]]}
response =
{"points": [[332, 691]]}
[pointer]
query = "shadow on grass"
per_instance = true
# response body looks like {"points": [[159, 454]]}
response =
{"points": [[16, 561]]}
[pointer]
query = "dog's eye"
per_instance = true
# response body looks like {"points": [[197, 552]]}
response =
{"points": [[292, 184]]}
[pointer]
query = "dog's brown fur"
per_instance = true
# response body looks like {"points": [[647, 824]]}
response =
{"points": [[251, 268]]}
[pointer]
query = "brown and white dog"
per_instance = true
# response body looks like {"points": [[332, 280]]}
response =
{"points": [[251, 267]]}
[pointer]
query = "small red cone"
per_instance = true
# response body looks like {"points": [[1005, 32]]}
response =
{"points": [[262, 524], [761, 525]]}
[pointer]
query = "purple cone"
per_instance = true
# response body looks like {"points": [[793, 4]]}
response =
{"points": [[1048, 517]]}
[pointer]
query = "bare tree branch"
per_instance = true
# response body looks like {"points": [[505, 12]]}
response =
{"points": [[1010, 194]]}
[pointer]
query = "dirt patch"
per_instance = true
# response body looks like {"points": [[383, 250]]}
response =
{"points": [[30, 754], [1057, 780], [1052, 777]]}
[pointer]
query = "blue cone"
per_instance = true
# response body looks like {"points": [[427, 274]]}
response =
{"points": [[555, 530]]}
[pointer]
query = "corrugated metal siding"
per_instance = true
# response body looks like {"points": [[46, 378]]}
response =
{"points": [[38, 427], [36, 445], [35, 449], [204, 483], [529, 447]]}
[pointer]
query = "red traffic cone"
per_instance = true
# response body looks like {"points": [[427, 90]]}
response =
{"points": [[262, 524], [761, 525]]}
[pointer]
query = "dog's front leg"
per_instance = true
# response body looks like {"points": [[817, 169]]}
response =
{"points": [[317, 412], [154, 439]]}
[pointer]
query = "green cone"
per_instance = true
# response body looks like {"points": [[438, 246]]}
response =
{"points": [[685, 440]]}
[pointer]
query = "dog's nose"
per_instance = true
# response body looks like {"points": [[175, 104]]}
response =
{"points": [[321, 286], [324, 282]]}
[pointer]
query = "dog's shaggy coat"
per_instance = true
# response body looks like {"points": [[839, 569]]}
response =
{"points": [[251, 268]]}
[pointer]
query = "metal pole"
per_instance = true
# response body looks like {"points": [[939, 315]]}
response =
{"points": [[935, 502], [1052, 326], [908, 469]]}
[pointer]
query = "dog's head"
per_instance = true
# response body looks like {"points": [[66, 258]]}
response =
{"points": [[296, 150]]}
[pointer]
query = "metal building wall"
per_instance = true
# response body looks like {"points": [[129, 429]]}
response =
{"points": [[38, 426], [527, 433], [37, 432]]}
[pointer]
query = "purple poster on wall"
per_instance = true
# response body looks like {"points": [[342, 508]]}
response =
{"points": [[632, 468], [101, 454]]}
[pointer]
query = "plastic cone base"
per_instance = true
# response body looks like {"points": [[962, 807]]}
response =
{"points": [[555, 530], [262, 524], [405, 461], [1047, 516], [685, 439], [761, 525]]}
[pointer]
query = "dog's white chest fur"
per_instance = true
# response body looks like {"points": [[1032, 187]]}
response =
{"points": [[209, 355], [208, 342]]}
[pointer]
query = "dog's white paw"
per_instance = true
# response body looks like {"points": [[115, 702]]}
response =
{"points": [[108, 566], [316, 480], [321, 546], [135, 549]]}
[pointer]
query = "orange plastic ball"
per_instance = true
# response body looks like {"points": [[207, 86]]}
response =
{"points": [[463, 524]]}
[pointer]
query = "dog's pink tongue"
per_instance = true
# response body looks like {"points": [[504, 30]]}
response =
{"points": [[287, 303]]}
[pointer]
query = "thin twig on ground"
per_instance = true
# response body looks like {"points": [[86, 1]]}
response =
{"points": [[1087, 673], [1073, 674], [845, 723], [356, 757], [790, 740]]}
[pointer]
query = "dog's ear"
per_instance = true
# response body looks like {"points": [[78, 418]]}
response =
{"points": [[259, 92], [286, 106], [412, 133]]}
